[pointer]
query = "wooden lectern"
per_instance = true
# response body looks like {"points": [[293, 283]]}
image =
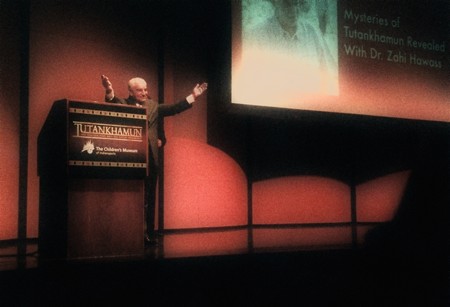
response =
{"points": [[92, 162]]}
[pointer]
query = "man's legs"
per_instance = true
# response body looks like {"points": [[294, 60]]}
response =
{"points": [[150, 202]]}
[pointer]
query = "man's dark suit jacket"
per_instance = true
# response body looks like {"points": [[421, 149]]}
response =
{"points": [[155, 112]]}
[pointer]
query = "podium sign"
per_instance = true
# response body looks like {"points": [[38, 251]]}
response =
{"points": [[105, 137], [94, 140]]}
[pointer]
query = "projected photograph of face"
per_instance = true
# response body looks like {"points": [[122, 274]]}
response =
{"points": [[289, 49]]}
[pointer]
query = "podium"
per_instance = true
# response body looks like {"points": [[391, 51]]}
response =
{"points": [[92, 163]]}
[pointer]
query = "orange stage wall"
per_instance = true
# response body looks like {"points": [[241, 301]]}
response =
{"points": [[69, 49]]}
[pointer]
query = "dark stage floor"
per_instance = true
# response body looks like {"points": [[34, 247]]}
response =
{"points": [[302, 275]]}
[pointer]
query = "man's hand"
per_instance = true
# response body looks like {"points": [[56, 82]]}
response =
{"points": [[109, 91], [199, 89], [106, 84]]}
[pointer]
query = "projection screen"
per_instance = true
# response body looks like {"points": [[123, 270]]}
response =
{"points": [[382, 58]]}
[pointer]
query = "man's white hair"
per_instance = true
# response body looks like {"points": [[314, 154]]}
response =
{"points": [[135, 81]]}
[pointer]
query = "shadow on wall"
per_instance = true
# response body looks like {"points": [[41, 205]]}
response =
{"points": [[419, 229], [204, 187], [313, 199]]}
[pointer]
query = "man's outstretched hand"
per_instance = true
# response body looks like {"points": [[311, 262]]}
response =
{"points": [[199, 89], [107, 84], [109, 92]]}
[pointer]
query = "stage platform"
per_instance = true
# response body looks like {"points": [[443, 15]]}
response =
{"points": [[205, 274]]}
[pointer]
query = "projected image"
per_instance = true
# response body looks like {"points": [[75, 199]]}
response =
{"points": [[288, 52], [378, 58]]}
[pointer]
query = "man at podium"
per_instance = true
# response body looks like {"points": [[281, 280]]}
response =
{"points": [[138, 96]]}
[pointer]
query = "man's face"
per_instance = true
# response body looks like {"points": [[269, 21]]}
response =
{"points": [[138, 90], [287, 11]]}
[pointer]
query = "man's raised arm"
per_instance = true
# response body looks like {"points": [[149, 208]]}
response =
{"points": [[197, 91], [109, 91]]}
